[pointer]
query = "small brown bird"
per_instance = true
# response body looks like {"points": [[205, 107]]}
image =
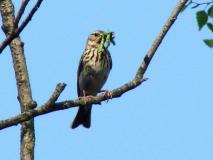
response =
{"points": [[93, 70]]}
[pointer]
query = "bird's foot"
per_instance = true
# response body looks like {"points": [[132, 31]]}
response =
{"points": [[107, 94]]}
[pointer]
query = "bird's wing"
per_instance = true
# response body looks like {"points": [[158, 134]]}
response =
{"points": [[80, 66], [110, 58]]}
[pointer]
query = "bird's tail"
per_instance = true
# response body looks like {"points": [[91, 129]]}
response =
{"points": [[83, 117]]}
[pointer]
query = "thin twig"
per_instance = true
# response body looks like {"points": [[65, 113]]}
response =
{"points": [[204, 3], [47, 107], [29, 17], [21, 11], [159, 38], [58, 90], [16, 32]]}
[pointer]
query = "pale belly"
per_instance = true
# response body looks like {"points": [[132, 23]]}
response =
{"points": [[92, 79]]}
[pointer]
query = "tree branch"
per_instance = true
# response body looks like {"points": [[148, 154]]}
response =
{"points": [[10, 29], [29, 114], [15, 32], [51, 107], [21, 11], [159, 38]]}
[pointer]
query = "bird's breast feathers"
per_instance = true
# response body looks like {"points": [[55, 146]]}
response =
{"points": [[99, 62]]}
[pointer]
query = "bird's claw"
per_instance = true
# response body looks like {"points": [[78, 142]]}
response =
{"points": [[107, 94]]}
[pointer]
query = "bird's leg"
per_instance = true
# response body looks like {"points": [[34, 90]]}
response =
{"points": [[84, 97]]}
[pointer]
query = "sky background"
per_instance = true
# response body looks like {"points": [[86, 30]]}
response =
{"points": [[168, 117]]}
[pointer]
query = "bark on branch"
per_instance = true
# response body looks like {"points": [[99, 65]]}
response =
{"points": [[51, 107], [11, 31]]}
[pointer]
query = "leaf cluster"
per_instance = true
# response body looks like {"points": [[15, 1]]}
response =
{"points": [[204, 17]]}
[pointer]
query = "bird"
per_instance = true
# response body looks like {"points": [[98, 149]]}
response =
{"points": [[93, 70]]}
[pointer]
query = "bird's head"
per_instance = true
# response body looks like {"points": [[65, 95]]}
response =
{"points": [[100, 39]]}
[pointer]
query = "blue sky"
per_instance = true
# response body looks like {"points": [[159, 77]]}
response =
{"points": [[167, 117]]}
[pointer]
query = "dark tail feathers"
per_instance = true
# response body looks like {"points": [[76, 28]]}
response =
{"points": [[83, 117]]}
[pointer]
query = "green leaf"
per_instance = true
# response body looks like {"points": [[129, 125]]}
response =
{"points": [[210, 26], [208, 42], [202, 18], [210, 11]]}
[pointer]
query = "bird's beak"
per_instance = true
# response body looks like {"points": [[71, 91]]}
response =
{"points": [[112, 36]]}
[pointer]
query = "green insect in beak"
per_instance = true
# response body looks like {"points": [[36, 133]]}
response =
{"points": [[107, 38]]}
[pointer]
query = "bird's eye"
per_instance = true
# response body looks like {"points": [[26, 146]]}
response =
{"points": [[96, 34]]}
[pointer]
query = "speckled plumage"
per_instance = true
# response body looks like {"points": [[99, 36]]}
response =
{"points": [[93, 71]]}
